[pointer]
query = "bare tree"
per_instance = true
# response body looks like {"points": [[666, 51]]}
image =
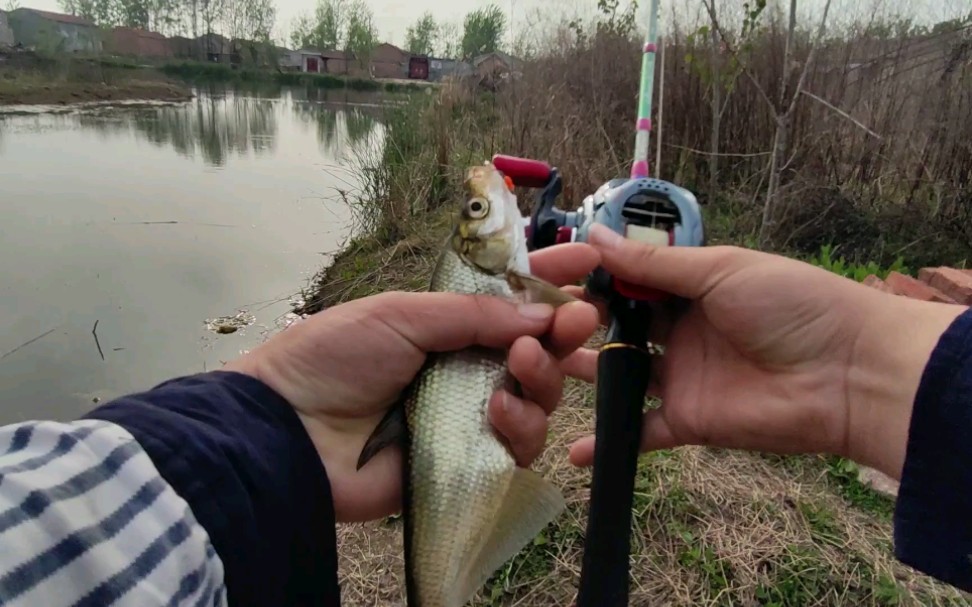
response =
{"points": [[782, 108]]}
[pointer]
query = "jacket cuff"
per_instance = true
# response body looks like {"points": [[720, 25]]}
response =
{"points": [[932, 532], [236, 451]]}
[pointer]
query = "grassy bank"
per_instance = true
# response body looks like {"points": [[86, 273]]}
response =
{"points": [[30, 78], [214, 72], [714, 527]]}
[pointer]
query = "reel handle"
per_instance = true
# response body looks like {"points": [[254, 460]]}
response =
{"points": [[523, 171]]}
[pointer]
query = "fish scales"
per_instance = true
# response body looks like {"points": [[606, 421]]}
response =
{"points": [[468, 508], [454, 453]]}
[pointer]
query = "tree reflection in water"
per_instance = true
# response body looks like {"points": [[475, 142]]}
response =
{"points": [[220, 123]]}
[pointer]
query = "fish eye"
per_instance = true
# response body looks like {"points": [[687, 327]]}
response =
{"points": [[477, 208]]}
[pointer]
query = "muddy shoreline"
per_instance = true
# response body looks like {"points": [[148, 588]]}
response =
{"points": [[27, 78], [64, 93]]}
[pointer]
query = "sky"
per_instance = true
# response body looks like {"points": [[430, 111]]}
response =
{"points": [[392, 17]]}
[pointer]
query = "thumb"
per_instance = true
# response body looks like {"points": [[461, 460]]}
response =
{"points": [[439, 322], [688, 272]]}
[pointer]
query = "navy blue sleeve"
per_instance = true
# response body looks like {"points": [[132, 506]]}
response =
{"points": [[236, 451], [933, 513]]}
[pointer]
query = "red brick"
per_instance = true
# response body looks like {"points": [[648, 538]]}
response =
{"points": [[876, 283], [925, 274], [954, 283], [915, 289]]}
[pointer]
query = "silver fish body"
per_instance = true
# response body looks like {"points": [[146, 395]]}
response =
{"points": [[468, 507]]}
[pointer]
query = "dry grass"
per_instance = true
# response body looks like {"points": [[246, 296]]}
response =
{"points": [[713, 527]]}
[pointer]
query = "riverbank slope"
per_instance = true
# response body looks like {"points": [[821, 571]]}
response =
{"points": [[713, 526], [30, 78]]}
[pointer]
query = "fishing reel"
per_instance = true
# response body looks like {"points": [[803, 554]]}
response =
{"points": [[646, 210]]}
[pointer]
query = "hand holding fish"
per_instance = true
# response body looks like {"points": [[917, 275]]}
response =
{"points": [[775, 355], [343, 368]]}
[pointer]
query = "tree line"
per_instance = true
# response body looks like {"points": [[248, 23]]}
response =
{"points": [[332, 24], [247, 19], [349, 25]]}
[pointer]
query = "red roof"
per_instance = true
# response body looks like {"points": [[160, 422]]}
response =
{"points": [[62, 18]]}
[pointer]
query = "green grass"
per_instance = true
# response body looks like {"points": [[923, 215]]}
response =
{"points": [[843, 477], [828, 259]]}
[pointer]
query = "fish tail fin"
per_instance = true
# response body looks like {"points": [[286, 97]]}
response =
{"points": [[531, 503]]}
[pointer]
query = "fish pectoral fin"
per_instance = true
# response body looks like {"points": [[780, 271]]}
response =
{"points": [[537, 290], [530, 504], [389, 431]]}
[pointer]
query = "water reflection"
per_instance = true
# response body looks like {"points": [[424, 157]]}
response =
{"points": [[220, 124], [151, 219], [337, 131]]}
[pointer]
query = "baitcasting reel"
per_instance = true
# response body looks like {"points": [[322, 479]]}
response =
{"points": [[648, 210]]}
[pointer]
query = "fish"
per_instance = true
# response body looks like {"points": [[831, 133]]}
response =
{"points": [[467, 507]]}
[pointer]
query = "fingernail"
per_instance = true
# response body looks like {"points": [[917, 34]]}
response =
{"points": [[536, 311], [604, 236]]}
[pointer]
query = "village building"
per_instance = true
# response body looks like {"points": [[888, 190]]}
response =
{"points": [[211, 47], [135, 42], [54, 32], [389, 61], [441, 69], [418, 67], [6, 34], [496, 65]]}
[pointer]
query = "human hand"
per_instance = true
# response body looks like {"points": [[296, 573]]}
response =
{"points": [[775, 355], [343, 368]]}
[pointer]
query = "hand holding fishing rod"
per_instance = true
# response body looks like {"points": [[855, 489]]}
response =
{"points": [[646, 210]]}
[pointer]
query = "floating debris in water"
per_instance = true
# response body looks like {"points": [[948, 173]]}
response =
{"points": [[288, 319], [224, 325]]}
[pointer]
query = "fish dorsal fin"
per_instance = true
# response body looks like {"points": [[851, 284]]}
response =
{"points": [[530, 504]]}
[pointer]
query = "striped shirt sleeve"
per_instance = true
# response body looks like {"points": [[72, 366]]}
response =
{"points": [[238, 454], [87, 519]]}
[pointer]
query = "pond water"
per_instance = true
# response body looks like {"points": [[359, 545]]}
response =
{"points": [[151, 220]]}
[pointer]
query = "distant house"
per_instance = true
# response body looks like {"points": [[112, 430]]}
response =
{"points": [[182, 47], [137, 42], [304, 60], [418, 67], [389, 61], [54, 31], [496, 65], [215, 48], [441, 69], [342, 63], [6, 34], [207, 47]]}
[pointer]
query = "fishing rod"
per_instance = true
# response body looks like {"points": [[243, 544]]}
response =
{"points": [[643, 209]]}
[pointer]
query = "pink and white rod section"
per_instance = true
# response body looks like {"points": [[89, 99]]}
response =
{"points": [[639, 168]]}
